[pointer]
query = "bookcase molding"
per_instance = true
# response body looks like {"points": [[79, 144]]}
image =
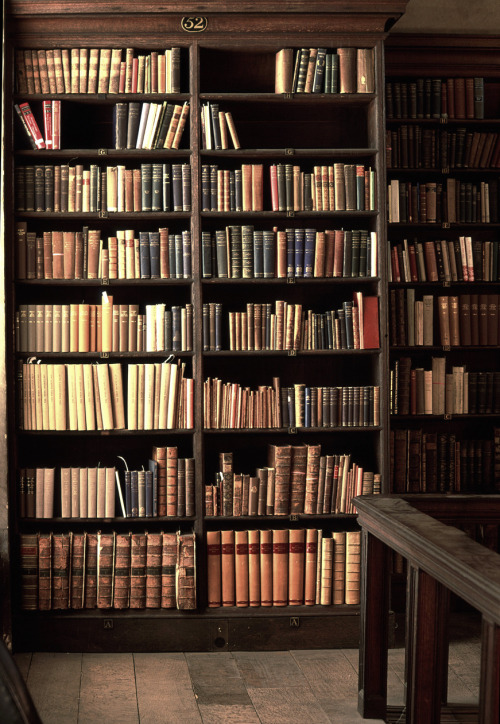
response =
{"points": [[239, 43]]}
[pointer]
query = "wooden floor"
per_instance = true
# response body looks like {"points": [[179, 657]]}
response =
{"points": [[278, 687]]}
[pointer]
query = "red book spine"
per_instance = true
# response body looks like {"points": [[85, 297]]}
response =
{"points": [[56, 125], [274, 188], [32, 124], [47, 124]]}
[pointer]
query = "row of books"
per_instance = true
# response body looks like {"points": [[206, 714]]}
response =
{"points": [[298, 479], [105, 327], [432, 202], [149, 125], [454, 260], [321, 70], [293, 567], [436, 391], [92, 396], [435, 98], [93, 70], [353, 326], [245, 252], [229, 405], [107, 570], [112, 189], [339, 187], [127, 254], [217, 127], [443, 462], [51, 138], [413, 146], [90, 492], [464, 320]]}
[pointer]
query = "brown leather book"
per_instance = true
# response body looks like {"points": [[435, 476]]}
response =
{"points": [[106, 543], [296, 566], [90, 592], [347, 70], [78, 557], [312, 478], [154, 545], [310, 566], [444, 320], [280, 567], [138, 570], [298, 467], [45, 571], [280, 458], [227, 568], [171, 481], [121, 586], [454, 321], [365, 70], [483, 319], [186, 571], [326, 571], [214, 568]]}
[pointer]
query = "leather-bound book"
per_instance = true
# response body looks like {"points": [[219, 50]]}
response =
{"points": [[60, 570], [28, 554], [227, 568], [138, 570], [45, 571], [254, 568], [214, 572], [153, 569], [241, 568], [280, 567], [296, 566], [90, 586], [168, 570], [339, 562], [266, 568], [121, 586], [353, 567], [347, 70]]}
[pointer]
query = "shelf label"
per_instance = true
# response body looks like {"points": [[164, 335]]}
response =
{"points": [[443, 119], [102, 151], [194, 23], [294, 518], [292, 430], [290, 213], [290, 151], [445, 225], [447, 416], [292, 352], [104, 355], [290, 280]]}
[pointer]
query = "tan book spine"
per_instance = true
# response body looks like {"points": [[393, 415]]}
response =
{"points": [[80, 397], [117, 398], [280, 567], [241, 568], [214, 572], [88, 396], [101, 492], [71, 397], [353, 567], [227, 568], [110, 487], [296, 566], [65, 492], [104, 70], [266, 568], [284, 71], [105, 399], [114, 70], [132, 382], [92, 492], [310, 566], [83, 70], [75, 70], [42, 69], [254, 568], [326, 571], [171, 480], [60, 396], [232, 130], [339, 539]]}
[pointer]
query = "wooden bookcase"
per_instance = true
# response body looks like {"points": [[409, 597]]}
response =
{"points": [[227, 57], [441, 452]]}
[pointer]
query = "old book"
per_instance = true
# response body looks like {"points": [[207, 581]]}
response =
{"points": [[284, 71], [339, 563], [45, 571], [241, 568], [138, 570], [353, 567], [60, 570], [254, 581], [154, 546], [296, 566], [121, 585], [280, 545], [168, 570], [214, 568], [347, 69], [266, 568], [28, 554], [186, 571], [227, 568]]}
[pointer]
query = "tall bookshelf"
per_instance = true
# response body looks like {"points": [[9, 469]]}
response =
{"points": [[442, 135], [227, 57]]}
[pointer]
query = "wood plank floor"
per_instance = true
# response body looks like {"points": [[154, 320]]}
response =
{"points": [[273, 687]]}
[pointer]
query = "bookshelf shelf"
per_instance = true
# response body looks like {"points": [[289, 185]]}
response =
{"points": [[449, 435], [227, 74]]}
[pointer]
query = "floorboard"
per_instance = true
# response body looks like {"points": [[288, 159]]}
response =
{"points": [[108, 692], [54, 683], [164, 690]]}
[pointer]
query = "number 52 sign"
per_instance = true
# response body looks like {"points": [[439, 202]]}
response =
{"points": [[194, 24]]}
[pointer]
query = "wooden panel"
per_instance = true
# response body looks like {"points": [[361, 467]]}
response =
{"points": [[111, 699], [164, 690], [54, 685]]}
